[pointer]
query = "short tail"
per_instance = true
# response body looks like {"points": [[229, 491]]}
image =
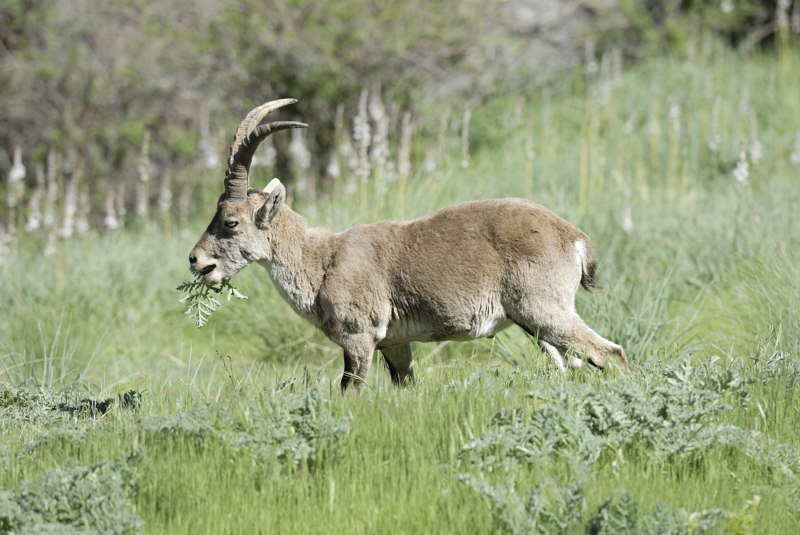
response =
{"points": [[588, 266]]}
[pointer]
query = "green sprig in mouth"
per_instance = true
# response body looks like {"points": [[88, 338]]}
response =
{"points": [[201, 298]]}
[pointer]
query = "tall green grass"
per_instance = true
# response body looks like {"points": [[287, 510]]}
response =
{"points": [[699, 272]]}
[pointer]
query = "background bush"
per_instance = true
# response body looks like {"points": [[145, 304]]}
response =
{"points": [[100, 84]]}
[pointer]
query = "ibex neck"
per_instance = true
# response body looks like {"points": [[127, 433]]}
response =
{"points": [[298, 257]]}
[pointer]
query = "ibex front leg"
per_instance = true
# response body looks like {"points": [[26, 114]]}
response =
{"points": [[358, 350], [398, 360]]}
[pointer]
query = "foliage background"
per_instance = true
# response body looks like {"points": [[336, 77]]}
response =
{"points": [[89, 80]]}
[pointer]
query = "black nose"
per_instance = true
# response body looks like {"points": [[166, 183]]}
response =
{"points": [[192, 260]]}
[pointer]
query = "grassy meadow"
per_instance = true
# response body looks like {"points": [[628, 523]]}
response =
{"points": [[684, 170]]}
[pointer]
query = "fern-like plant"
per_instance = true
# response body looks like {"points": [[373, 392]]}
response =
{"points": [[201, 300]]}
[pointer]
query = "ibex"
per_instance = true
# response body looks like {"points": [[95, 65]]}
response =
{"points": [[463, 272]]}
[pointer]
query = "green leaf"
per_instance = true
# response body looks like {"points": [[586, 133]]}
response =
{"points": [[200, 300]]}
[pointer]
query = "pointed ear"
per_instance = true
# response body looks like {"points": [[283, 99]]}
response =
{"points": [[274, 195]]}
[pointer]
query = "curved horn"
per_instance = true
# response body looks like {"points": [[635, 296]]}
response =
{"points": [[249, 134]]}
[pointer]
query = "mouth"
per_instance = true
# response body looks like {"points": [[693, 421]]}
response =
{"points": [[206, 270], [206, 276]]}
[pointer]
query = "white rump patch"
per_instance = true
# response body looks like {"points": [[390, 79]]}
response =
{"points": [[580, 253]]}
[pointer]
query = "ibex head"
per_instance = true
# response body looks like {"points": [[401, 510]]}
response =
{"points": [[233, 238]]}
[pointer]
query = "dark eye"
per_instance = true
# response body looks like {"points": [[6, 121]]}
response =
{"points": [[231, 224]]}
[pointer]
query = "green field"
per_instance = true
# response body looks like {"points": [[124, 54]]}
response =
{"points": [[685, 171]]}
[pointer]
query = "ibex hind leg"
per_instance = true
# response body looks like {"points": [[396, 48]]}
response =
{"points": [[555, 354], [584, 340], [398, 360], [572, 338], [561, 361]]}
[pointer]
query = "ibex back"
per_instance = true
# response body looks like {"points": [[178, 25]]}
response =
{"points": [[463, 272]]}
